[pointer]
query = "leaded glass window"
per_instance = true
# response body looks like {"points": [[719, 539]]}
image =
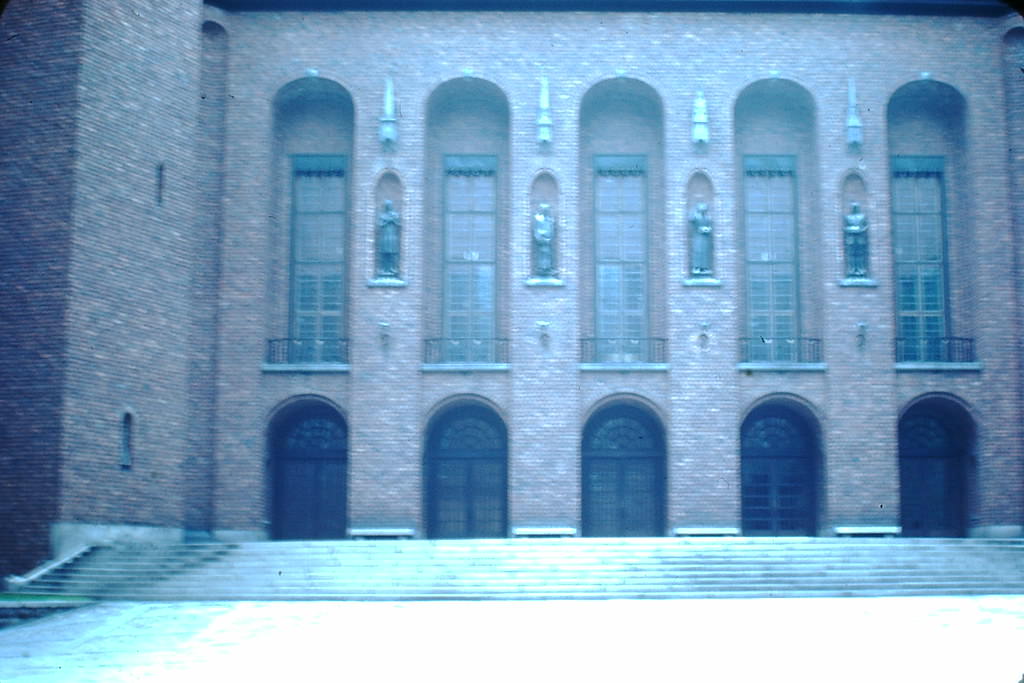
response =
{"points": [[620, 229], [919, 242], [318, 255], [771, 258], [470, 259]]}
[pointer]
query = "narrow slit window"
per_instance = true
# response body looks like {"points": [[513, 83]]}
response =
{"points": [[127, 454], [160, 183]]}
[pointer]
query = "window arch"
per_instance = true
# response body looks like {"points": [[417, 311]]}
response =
{"points": [[466, 192], [313, 128], [777, 161], [622, 217], [926, 144]]}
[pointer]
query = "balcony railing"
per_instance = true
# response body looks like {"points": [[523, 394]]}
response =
{"points": [[298, 351], [446, 350], [623, 350], [934, 350], [780, 350]]}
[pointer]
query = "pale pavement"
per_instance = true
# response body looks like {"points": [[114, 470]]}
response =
{"points": [[824, 640]]}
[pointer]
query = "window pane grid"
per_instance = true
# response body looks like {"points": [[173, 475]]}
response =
{"points": [[620, 224], [470, 239], [318, 236], [770, 222], [920, 258]]}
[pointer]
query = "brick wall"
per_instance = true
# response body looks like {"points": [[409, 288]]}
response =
{"points": [[544, 398], [40, 45], [134, 251], [147, 276]]}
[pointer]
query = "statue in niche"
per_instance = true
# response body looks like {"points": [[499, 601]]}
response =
{"points": [[389, 225], [855, 240], [544, 242], [702, 241]]}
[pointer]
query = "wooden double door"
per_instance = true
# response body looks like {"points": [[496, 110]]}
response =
{"points": [[623, 474], [309, 461]]}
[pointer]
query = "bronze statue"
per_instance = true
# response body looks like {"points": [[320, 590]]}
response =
{"points": [[543, 242], [702, 241], [855, 239], [389, 225]]}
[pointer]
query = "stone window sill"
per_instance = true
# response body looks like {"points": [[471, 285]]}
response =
{"points": [[545, 282], [858, 282], [465, 367], [702, 282], [782, 367], [326, 368], [624, 367], [386, 282], [938, 367]]}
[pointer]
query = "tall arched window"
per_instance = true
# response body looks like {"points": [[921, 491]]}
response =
{"points": [[926, 143], [621, 152], [775, 143], [313, 131], [467, 160]]}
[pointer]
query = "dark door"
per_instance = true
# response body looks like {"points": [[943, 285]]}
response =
{"points": [[467, 475], [623, 474], [778, 475], [309, 460], [931, 477]]}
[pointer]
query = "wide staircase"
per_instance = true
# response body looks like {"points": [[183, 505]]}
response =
{"points": [[529, 569]]}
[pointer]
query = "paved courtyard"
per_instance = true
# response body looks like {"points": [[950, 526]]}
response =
{"points": [[871, 640]]}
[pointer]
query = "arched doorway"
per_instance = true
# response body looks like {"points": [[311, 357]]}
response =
{"points": [[778, 463], [623, 473], [467, 474], [309, 458], [935, 438]]}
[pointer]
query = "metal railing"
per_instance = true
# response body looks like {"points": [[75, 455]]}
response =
{"points": [[780, 350], [447, 350], [935, 349], [294, 351], [623, 350]]}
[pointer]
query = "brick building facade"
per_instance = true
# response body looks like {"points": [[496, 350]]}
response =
{"points": [[206, 333]]}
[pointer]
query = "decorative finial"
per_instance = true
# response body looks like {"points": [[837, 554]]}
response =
{"points": [[313, 73], [854, 127], [701, 133], [388, 122], [544, 115], [925, 75]]}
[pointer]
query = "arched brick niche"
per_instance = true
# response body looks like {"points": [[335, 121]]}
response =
{"points": [[465, 219], [935, 243], [310, 245], [622, 226], [778, 214]]}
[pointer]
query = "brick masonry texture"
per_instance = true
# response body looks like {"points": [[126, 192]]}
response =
{"points": [[114, 301]]}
